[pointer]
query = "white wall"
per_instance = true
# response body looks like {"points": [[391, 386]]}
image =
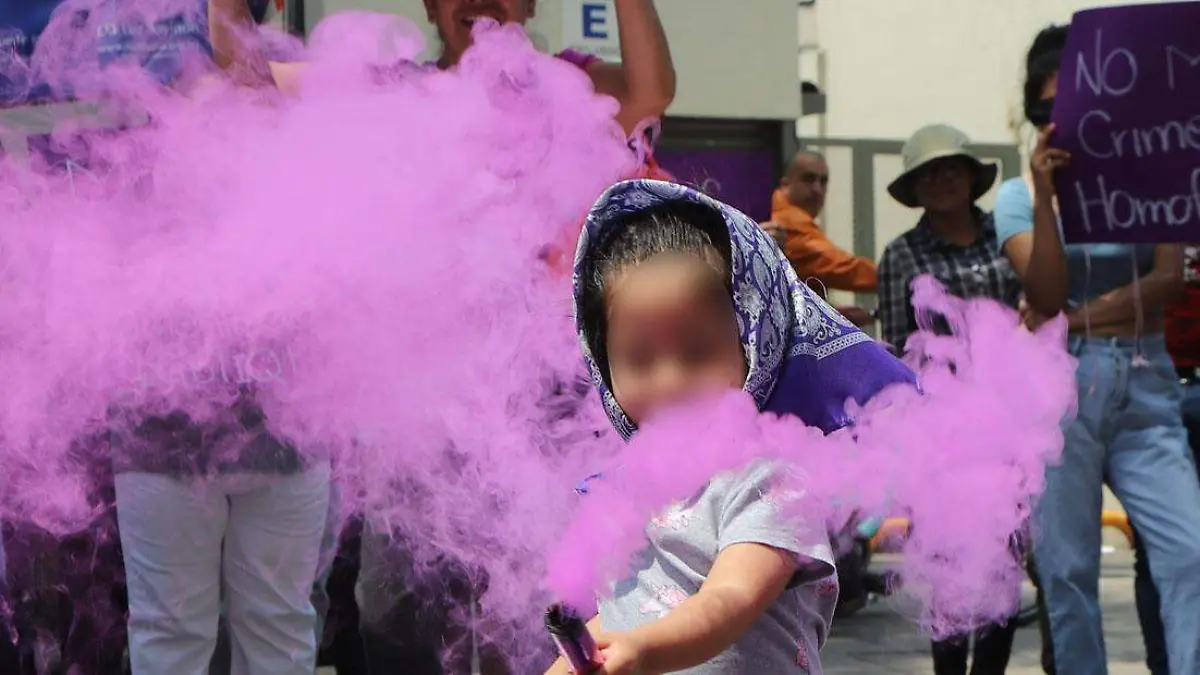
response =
{"points": [[895, 65], [734, 58], [892, 66], [315, 10]]}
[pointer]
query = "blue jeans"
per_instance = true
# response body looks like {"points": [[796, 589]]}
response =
{"points": [[1130, 429], [1148, 601]]}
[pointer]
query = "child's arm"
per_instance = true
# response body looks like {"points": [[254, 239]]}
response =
{"points": [[560, 665], [744, 580]]}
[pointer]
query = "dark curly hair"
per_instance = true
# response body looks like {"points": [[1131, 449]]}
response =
{"points": [[1042, 63]]}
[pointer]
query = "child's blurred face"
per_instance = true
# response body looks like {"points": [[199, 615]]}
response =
{"points": [[672, 333]]}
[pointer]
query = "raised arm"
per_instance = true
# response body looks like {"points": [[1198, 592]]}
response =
{"points": [[229, 24], [644, 81], [1027, 227], [1161, 285]]}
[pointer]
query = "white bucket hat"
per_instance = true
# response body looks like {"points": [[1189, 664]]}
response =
{"points": [[936, 142]]}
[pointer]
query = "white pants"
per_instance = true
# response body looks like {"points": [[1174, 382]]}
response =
{"points": [[172, 533]]}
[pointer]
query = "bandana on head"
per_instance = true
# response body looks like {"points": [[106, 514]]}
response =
{"points": [[804, 358]]}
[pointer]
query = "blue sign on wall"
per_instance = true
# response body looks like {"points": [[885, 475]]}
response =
{"points": [[595, 20], [590, 26]]}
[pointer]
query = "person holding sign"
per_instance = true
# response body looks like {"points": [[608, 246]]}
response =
{"points": [[1128, 430]]}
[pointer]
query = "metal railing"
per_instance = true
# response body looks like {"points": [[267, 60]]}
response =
{"points": [[863, 180]]}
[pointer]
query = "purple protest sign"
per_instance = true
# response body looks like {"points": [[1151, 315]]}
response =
{"points": [[1126, 109], [744, 179]]}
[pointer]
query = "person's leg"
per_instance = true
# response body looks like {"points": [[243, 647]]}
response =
{"points": [[1066, 535], [221, 663], [394, 638], [329, 546], [1149, 610], [1152, 471], [10, 658], [993, 648], [272, 551], [950, 656], [346, 650], [1043, 617], [171, 539]]}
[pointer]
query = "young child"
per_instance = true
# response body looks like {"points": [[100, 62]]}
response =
{"points": [[677, 294]]}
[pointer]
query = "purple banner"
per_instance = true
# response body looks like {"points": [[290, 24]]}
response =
{"points": [[1128, 110], [744, 179]]}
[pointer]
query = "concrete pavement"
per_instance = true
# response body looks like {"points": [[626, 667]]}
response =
{"points": [[881, 640]]}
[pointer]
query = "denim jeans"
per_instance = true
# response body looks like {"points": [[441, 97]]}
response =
{"points": [[1149, 610], [1130, 429], [253, 539], [1149, 604]]}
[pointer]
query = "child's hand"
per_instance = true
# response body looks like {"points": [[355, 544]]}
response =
{"points": [[621, 653]]}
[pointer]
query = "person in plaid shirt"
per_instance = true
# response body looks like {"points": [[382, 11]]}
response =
{"points": [[955, 241]]}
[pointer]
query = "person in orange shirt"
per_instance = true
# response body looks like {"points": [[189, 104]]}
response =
{"points": [[794, 209]]}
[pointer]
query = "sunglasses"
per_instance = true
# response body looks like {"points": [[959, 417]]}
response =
{"points": [[1039, 112]]}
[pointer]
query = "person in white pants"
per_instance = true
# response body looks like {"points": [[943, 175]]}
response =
{"points": [[198, 527]]}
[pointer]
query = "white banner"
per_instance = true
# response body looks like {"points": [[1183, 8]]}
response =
{"points": [[590, 26]]}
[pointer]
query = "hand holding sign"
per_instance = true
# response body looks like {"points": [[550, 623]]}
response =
{"points": [[1045, 161], [1126, 112]]}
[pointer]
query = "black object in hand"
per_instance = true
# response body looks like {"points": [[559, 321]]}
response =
{"points": [[573, 640]]}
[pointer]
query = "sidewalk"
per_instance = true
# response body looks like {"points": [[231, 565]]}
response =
{"points": [[881, 640]]}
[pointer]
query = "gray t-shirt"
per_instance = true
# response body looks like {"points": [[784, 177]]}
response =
{"points": [[684, 543]]}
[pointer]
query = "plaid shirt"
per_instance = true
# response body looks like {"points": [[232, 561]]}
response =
{"points": [[979, 270]]}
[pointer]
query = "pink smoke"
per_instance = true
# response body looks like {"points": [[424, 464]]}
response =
{"points": [[963, 459], [368, 256]]}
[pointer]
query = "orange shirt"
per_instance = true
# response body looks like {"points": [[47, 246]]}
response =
{"points": [[814, 256]]}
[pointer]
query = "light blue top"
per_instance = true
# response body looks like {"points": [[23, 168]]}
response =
{"points": [[1092, 269]]}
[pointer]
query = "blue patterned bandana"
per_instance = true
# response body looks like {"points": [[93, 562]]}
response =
{"points": [[804, 357]]}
